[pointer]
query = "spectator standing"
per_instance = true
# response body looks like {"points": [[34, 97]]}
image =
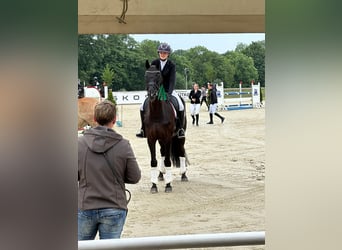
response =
{"points": [[204, 96], [213, 103], [105, 163], [195, 96]]}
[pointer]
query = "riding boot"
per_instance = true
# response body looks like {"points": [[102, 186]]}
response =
{"points": [[221, 117], [197, 117], [193, 119], [179, 124], [211, 119], [141, 134]]}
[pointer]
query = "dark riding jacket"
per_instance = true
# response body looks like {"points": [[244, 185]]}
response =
{"points": [[212, 96], [168, 73], [196, 96]]}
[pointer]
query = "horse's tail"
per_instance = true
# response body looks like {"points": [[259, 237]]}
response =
{"points": [[178, 150], [184, 120], [177, 144], [175, 151]]}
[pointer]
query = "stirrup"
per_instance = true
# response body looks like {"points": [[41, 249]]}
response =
{"points": [[180, 133], [141, 134]]}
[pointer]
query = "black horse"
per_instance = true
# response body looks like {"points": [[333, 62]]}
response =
{"points": [[160, 126]]}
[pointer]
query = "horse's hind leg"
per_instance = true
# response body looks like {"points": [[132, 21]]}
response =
{"points": [[168, 179], [168, 168], [183, 169], [162, 162], [162, 169]]}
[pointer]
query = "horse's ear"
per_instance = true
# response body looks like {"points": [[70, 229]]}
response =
{"points": [[147, 64]]}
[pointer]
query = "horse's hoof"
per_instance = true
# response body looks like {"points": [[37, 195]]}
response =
{"points": [[154, 190], [184, 178], [168, 189]]}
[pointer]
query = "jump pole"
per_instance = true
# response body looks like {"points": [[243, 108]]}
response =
{"points": [[119, 123]]}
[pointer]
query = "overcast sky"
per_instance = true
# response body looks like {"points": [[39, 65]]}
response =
{"points": [[220, 43]]}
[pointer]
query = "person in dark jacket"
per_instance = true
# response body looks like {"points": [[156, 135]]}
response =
{"points": [[213, 104], [102, 202], [80, 89], [168, 71], [195, 96]]}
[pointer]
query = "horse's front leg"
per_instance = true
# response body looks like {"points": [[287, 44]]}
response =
{"points": [[154, 163]]}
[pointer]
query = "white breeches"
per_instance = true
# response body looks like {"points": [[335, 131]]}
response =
{"points": [[212, 108], [195, 108]]}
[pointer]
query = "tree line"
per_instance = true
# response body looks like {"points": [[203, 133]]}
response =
{"points": [[123, 59]]}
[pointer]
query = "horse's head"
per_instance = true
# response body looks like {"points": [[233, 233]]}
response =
{"points": [[153, 79]]}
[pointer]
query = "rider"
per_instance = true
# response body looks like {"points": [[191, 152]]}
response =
{"points": [[80, 89], [168, 70]]}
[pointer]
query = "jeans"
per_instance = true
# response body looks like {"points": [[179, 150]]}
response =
{"points": [[108, 221]]}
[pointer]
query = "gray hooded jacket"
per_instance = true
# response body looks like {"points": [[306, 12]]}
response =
{"points": [[98, 188]]}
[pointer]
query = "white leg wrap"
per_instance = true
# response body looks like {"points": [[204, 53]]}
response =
{"points": [[182, 168], [168, 175], [154, 175], [162, 166]]}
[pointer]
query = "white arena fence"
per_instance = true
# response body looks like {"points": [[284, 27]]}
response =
{"points": [[177, 241]]}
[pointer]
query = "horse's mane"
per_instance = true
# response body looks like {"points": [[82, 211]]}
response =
{"points": [[159, 111]]}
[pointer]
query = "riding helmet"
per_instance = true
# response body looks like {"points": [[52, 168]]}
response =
{"points": [[164, 47]]}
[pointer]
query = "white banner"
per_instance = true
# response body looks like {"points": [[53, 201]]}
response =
{"points": [[138, 97], [130, 97], [184, 93]]}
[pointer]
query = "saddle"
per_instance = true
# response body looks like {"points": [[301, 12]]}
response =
{"points": [[174, 102]]}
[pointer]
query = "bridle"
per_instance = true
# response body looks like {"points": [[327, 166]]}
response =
{"points": [[153, 80]]}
